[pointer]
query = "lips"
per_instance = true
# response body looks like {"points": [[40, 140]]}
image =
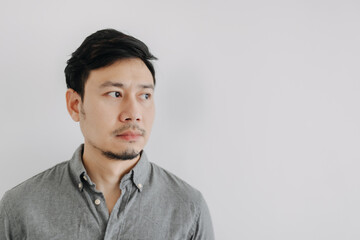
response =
{"points": [[129, 135]]}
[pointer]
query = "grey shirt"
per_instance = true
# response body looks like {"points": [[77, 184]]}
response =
{"points": [[63, 203]]}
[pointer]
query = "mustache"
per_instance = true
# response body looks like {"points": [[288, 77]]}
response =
{"points": [[129, 126]]}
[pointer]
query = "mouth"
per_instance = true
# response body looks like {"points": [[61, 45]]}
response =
{"points": [[129, 136]]}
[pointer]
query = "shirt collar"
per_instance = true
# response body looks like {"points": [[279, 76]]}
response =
{"points": [[139, 173], [77, 168]]}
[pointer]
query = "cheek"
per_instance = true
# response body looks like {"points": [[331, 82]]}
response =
{"points": [[100, 111], [99, 118], [150, 114]]}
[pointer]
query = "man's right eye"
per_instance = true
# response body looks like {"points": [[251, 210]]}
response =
{"points": [[114, 94]]}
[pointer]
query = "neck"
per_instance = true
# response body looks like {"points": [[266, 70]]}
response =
{"points": [[104, 172]]}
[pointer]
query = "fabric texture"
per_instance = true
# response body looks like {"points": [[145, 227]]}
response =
{"points": [[63, 203]]}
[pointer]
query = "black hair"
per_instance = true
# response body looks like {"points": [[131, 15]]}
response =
{"points": [[102, 49]]}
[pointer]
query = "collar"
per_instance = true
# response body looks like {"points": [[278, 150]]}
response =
{"points": [[141, 171], [138, 175]]}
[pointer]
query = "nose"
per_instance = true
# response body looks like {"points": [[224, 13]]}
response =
{"points": [[130, 111]]}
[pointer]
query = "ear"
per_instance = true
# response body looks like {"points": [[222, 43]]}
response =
{"points": [[73, 101]]}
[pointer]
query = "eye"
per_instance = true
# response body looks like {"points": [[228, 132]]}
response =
{"points": [[114, 94], [146, 96]]}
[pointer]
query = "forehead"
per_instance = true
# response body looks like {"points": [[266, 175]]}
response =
{"points": [[128, 72]]}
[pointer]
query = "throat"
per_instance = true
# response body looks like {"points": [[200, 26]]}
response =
{"points": [[111, 198]]}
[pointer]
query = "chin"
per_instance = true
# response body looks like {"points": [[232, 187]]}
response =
{"points": [[128, 154]]}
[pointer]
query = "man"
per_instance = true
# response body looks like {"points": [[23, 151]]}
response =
{"points": [[108, 190]]}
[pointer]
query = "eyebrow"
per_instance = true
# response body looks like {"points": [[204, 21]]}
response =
{"points": [[111, 84], [120, 85], [147, 86]]}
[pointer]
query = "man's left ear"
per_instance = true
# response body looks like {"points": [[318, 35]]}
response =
{"points": [[73, 101]]}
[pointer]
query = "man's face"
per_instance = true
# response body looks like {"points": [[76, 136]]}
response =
{"points": [[117, 112]]}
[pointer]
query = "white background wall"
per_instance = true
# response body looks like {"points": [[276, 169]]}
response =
{"points": [[257, 104]]}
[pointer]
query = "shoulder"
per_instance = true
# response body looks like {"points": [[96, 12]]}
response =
{"points": [[180, 203], [34, 186], [169, 184]]}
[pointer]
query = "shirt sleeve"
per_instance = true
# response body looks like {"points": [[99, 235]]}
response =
{"points": [[203, 226]]}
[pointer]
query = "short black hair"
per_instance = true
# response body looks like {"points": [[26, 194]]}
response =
{"points": [[102, 49]]}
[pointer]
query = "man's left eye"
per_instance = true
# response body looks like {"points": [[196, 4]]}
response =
{"points": [[145, 96]]}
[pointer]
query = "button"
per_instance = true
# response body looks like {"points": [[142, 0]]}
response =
{"points": [[80, 185], [85, 178], [140, 185], [97, 201]]}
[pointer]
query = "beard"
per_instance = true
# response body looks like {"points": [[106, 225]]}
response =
{"points": [[125, 155], [128, 154]]}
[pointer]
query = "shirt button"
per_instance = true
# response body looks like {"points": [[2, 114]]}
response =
{"points": [[80, 185], [140, 185], [97, 202], [85, 178]]}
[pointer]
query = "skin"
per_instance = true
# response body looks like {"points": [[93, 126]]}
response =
{"points": [[118, 99]]}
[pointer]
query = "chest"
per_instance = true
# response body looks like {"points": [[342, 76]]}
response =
{"points": [[134, 215]]}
